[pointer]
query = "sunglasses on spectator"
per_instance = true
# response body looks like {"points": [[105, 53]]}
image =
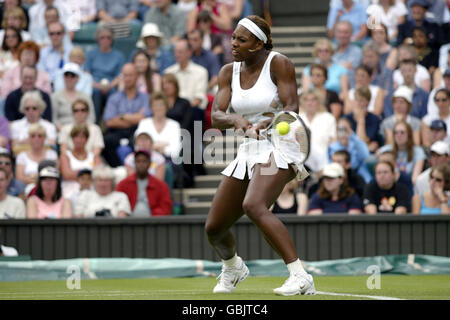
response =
{"points": [[31, 108], [440, 100], [80, 110], [437, 179], [34, 135], [6, 163]]}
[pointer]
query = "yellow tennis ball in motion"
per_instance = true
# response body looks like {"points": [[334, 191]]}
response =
{"points": [[283, 128]]}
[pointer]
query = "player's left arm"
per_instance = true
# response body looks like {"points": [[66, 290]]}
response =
{"points": [[282, 72]]}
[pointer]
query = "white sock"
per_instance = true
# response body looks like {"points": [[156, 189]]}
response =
{"points": [[233, 262], [296, 267]]}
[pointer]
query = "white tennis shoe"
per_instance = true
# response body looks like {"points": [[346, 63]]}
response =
{"points": [[230, 277], [297, 283]]}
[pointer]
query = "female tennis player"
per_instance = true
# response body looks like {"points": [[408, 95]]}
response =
{"points": [[259, 83]]}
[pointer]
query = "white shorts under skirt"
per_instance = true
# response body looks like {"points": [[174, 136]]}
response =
{"points": [[251, 152]]}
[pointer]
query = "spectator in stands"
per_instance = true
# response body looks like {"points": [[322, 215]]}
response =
{"points": [[40, 34], [363, 78], [422, 77], [103, 201], [350, 11], [27, 161], [442, 100], [8, 51], [314, 114], [384, 194], [32, 106], [118, 11], [436, 200], [438, 132], [151, 41], [205, 58], [213, 41], [354, 179], [104, 64], [379, 37], [432, 107], [439, 153], [427, 56], [401, 105], [346, 54], [83, 11], [12, 102], [28, 55], [16, 18], [94, 144], [418, 11], [48, 202], [364, 123], [170, 19], [400, 176], [123, 112], [410, 158], [15, 187], [37, 15], [180, 110], [8, 4], [85, 80], [165, 132], [62, 100], [222, 22], [143, 141], [391, 13], [148, 80], [148, 196], [84, 179], [357, 149], [337, 75], [192, 78], [318, 73], [53, 57], [334, 194], [72, 161], [10, 207], [290, 201]]}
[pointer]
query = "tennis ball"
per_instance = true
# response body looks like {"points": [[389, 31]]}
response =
{"points": [[283, 128]]}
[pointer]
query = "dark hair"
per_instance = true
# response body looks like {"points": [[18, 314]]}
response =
{"points": [[365, 68], [421, 29], [390, 165], [58, 193], [344, 190], [344, 153], [19, 38], [171, 78], [446, 91], [79, 128], [370, 31], [443, 168], [148, 72], [264, 26], [320, 67]]}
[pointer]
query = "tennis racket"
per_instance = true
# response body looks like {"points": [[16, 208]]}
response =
{"points": [[294, 146]]}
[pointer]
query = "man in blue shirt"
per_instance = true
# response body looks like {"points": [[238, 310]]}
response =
{"points": [[123, 111], [355, 13], [53, 57], [205, 58], [104, 64]]}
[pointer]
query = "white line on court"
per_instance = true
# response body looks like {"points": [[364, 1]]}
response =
{"points": [[356, 295]]}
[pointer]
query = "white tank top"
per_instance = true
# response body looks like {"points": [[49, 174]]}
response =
{"points": [[259, 99], [76, 164]]}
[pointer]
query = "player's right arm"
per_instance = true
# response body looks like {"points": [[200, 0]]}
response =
{"points": [[220, 118]]}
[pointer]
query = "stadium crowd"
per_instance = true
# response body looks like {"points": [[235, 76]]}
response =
{"points": [[97, 132]]}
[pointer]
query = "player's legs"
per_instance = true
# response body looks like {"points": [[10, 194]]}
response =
{"points": [[264, 188], [225, 210]]}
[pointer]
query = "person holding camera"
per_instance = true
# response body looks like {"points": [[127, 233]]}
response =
{"points": [[103, 201]]}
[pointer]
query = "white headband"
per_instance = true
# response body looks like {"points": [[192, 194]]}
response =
{"points": [[253, 28]]}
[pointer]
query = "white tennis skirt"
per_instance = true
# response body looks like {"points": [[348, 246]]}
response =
{"points": [[253, 151]]}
